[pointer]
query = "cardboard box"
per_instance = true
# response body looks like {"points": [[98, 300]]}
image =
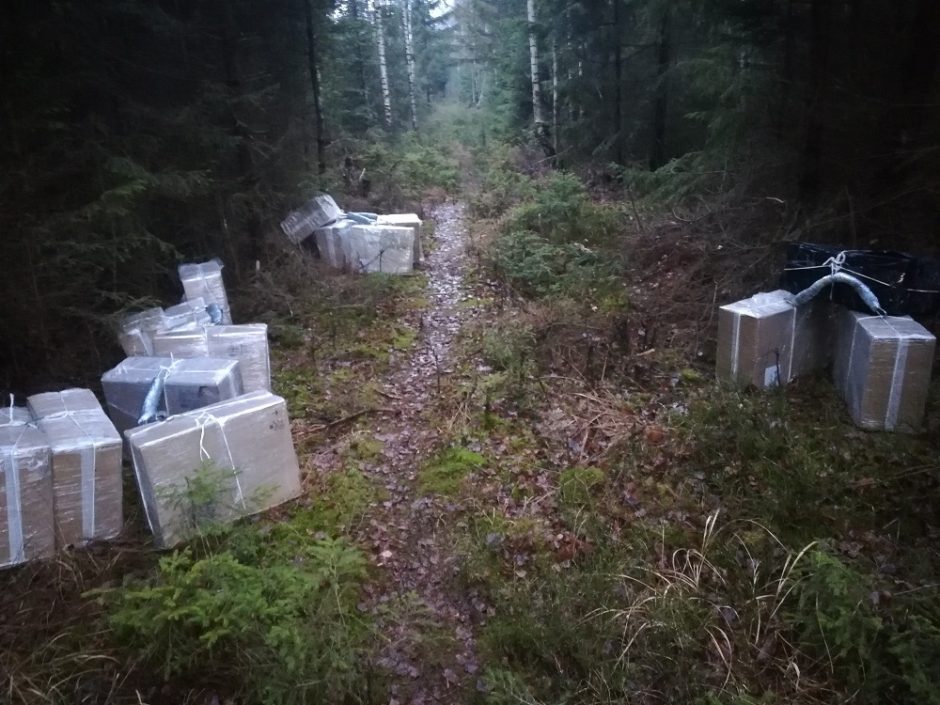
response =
{"points": [[188, 384], [86, 466], [241, 447], [379, 248], [766, 341], [317, 212], [203, 280], [882, 369], [329, 239], [26, 524], [407, 220], [247, 343], [15, 416]]}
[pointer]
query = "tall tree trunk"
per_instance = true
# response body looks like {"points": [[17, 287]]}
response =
{"points": [[383, 66], [312, 67], [618, 81], [538, 115], [360, 60], [661, 103], [555, 95], [410, 60]]}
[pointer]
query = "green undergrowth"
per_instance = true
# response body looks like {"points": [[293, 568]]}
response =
{"points": [[744, 547], [445, 473]]}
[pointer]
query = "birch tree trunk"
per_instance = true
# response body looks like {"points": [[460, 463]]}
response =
{"points": [[383, 66], [538, 115], [410, 60], [555, 95]]}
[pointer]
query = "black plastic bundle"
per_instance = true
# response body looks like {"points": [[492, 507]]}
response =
{"points": [[903, 283]]}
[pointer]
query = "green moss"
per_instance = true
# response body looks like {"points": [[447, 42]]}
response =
{"points": [[404, 339], [445, 474], [300, 388], [577, 486], [341, 502]]}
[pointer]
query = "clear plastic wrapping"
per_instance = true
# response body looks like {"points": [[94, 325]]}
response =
{"points": [[407, 220], [243, 450], [26, 524], [379, 248], [329, 240], [247, 343], [138, 329], [86, 465], [882, 369], [188, 384], [15, 416], [203, 280], [317, 212], [766, 341]]}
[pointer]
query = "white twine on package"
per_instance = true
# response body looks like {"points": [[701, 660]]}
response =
{"points": [[836, 265], [202, 420], [14, 506]]}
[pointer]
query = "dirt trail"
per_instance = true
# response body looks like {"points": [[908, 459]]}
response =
{"points": [[429, 653]]}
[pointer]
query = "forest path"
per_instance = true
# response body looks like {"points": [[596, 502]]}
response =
{"points": [[426, 626]]}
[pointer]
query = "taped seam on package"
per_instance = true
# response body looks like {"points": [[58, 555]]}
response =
{"points": [[15, 507], [87, 465], [897, 374], [897, 378], [202, 420]]}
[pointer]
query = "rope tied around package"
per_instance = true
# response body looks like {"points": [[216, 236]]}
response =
{"points": [[840, 274], [87, 463], [202, 420]]}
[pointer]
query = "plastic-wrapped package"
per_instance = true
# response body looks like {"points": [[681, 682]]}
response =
{"points": [[247, 343], [26, 526], [86, 466], [407, 220], [203, 280], [243, 450], [329, 240], [137, 329], [318, 211], [187, 384], [191, 312], [766, 341], [882, 369], [379, 248], [15, 416], [49, 403]]}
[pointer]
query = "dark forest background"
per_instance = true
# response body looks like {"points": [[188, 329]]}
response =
{"points": [[141, 133]]}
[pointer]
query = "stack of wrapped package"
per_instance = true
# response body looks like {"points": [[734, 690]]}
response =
{"points": [[881, 364], [241, 448], [358, 242], [27, 530], [246, 343], [202, 282], [86, 465]]}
